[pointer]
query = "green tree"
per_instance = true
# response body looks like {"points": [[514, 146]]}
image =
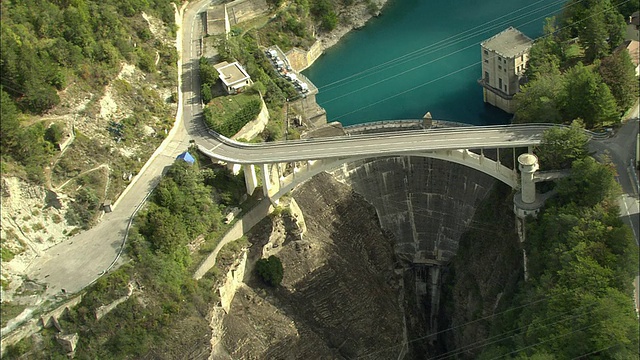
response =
{"points": [[538, 100], [10, 124], [205, 93], [597, 23], [561, 146], [589, 183], [587, 97], [208, 74], [270, 270], [626, 8], [618, 72], [53, 134], [546, 53]]}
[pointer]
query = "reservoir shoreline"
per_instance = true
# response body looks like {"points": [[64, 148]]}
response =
{"points": [[418, 57]]}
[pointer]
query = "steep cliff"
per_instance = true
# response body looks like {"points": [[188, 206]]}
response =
{"points": [[340, 295]]}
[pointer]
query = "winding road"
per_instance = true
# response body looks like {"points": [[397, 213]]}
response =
{"points": [[76, 263]]}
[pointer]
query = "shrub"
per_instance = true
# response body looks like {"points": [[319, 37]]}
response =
{"points": [[270, 270]]}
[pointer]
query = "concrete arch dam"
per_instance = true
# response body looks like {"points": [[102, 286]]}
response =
{"points": [[426, 203]]}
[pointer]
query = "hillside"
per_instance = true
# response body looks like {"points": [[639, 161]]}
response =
{"points": [[107, 70]]}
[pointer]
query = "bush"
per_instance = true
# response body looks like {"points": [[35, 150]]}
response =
{"points": [[270, 270]]}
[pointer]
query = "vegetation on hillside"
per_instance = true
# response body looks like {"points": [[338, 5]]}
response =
{"points": [[208, 78], [226, 115], [577, 69], [270, 270], [581, 261], [47, 46], [166, 303]]}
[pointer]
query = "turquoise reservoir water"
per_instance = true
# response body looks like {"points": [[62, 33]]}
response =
{"points": [[419, 56]]}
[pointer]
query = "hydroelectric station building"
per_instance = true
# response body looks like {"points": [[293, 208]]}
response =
{"points": [[504, 57]]}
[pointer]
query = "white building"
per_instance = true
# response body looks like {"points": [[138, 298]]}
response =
{"points": [[504, 58], [234, 77]]}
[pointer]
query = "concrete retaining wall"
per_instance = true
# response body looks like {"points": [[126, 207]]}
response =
{"points": [[253, 128], [243, 10], [34, 325]]}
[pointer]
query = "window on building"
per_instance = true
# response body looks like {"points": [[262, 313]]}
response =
{"points": [[486, 60], [500, 83], [486, 76], [505, 61], [505, 69], [499, 58], [499, 67], [505, 88], [486, 52], [521, 58]]}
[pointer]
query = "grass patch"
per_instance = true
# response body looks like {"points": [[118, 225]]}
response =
{"points": [[228, 114], [10, 311], [574, 53]]}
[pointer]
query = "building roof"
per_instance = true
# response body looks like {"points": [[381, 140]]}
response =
{"points": [[231, 74], [186, 157], [635, 18], [508, 43]]}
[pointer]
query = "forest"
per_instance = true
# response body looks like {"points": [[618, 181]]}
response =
{"points": [[578, 68], [582, 262]]}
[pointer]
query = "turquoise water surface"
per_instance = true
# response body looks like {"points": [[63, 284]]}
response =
{"points": [[419, 56]]}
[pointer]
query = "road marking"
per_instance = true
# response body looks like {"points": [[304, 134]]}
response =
{"points": [[628, 214]]}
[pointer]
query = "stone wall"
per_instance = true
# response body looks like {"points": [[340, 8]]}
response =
{"points": [[300, 59], [233, 280]]}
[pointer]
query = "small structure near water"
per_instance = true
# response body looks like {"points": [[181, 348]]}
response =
{"points": [[504, 58]]}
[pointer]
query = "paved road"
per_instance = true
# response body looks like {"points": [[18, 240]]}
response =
{"points": [[374, 144], [621, 149], [239, 228], [75, 263]]}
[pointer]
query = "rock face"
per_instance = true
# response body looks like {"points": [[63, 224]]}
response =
{"points": [[339, 297]]}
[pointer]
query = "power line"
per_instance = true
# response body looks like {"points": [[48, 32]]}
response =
{"points": [[424, 64], [545, 341], [451, 73], [461, 325], [439, 45], [485, 343], [594, 352]]}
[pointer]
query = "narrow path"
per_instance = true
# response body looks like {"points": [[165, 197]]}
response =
{"points": [[241, 227], [58, 188]]}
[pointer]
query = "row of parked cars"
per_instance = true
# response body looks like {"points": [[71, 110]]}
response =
{"points": [[285, 70]]}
